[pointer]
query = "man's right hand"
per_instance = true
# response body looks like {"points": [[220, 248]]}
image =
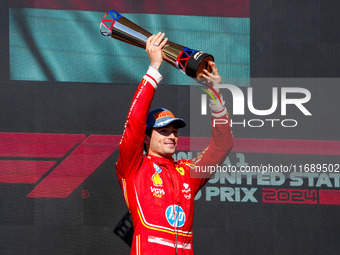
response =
{"points": [[212, 79], [154, 46]]}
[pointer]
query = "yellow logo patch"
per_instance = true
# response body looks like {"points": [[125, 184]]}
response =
{"points": [[156, 179], [180, 170]]}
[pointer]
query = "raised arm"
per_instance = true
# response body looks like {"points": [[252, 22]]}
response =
{"points": [[221, 141], [132, 142]]}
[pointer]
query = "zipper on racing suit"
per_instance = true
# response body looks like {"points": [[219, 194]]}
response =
{"points": [[176, 225], [175, 213]]}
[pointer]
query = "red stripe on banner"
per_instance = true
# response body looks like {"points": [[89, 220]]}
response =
{"points": [[20, 171], [56, 145], [37, 145], [71, 172], [329, 197], [269, 146], [224, 8]]}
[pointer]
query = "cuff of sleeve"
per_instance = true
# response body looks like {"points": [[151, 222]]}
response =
{"points": [[217, 107], [153, 76], [217, 104], [221, 113]]}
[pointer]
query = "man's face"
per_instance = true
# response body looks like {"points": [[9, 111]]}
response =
{"points": [[163, 141]]}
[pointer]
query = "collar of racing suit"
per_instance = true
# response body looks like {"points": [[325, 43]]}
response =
{"points": [[162, 161]]}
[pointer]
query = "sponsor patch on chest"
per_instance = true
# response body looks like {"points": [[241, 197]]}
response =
{"points": [[175, 215], [186, 191], [157, 192], [157, 188], [180, 170]]}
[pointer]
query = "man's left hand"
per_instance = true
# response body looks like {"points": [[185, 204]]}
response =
{"points": [[212, 79]]}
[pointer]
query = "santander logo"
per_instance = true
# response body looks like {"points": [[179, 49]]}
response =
{"points": [[186, 191]]}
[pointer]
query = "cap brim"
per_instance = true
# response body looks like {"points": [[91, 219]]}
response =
{"points": [[177, 122]]}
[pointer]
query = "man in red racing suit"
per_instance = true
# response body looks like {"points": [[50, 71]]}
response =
{"points": [[158, 191]]}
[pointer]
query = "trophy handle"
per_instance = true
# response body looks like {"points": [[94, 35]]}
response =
{"points": [[189, 61]]}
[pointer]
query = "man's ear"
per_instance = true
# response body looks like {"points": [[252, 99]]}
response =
{"points": [[147, 139]]}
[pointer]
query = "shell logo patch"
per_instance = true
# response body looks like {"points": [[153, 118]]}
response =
{"points": [[156, 179], [180, 170]]}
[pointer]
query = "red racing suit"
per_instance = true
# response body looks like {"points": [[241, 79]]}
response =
{"points": [[158, 191]]}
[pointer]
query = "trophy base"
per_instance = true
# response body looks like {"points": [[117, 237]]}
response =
{"points": [[196, 63]]}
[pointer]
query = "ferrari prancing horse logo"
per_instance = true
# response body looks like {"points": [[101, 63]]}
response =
{"points": [[180, 170]]}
